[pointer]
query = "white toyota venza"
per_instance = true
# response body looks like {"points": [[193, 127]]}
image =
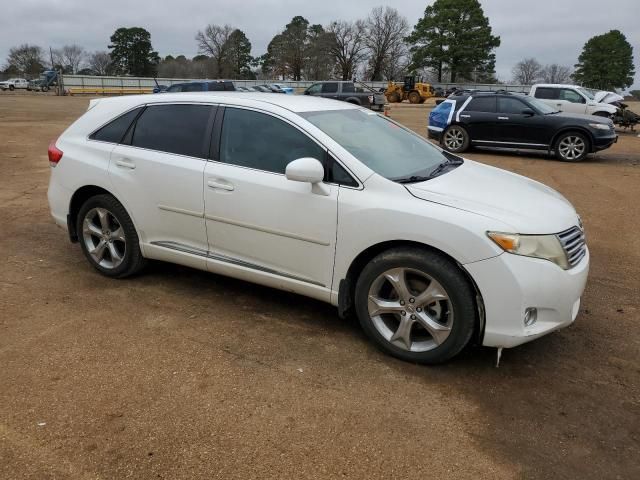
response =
{"points": [[328, 200]]}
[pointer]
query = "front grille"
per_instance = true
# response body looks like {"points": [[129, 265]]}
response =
{"points": [[574, 245]]}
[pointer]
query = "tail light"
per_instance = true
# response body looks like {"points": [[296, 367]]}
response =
{"points": [[55, 154], [371, 99]]}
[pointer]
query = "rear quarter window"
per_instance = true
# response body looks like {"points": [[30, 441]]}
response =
{"points": [[114, 131], [482, 104]]}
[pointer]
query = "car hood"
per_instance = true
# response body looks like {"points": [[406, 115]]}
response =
{"points": [[607, 97], [524, 204], [585, 117]]}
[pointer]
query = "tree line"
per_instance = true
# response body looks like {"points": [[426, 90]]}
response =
{"points": [[452, 42]]}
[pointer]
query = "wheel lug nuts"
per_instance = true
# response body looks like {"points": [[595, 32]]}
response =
{"points": [[401, 302], [411, 300], [418, 309], [403, 313], [413, 317]]}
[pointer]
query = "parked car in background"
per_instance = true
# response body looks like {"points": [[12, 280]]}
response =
{"points": [[14, 83], [284, 88], [509, 120], [204, 86], [260, 88], [328, 200], [272, 88], [571, 99], [348, 92]]}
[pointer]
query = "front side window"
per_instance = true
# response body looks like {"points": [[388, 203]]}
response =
{"points": [[330, 87], [115, 130], [176, 129], [192, 87], [571, 96], [174, 88], [216, 86], [257, 140], [348, 88], [317, 88], [510, 105], [384, 146], [482, 104]]}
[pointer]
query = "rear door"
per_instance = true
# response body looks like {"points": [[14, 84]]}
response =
{"points": [[479, 118], [330, 90], [158, 171]]}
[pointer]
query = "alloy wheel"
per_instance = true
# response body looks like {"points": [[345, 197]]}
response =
{"points": [[410, 309], [104, 238], [572, 147], [454, 138]]}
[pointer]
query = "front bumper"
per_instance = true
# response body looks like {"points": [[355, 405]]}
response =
{"points": [[601, 143], [509, 284]]}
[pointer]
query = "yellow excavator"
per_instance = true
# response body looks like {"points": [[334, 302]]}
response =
{"points": [[415, 92]]}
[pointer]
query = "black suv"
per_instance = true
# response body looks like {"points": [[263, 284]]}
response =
{"points": [[509, 120], [205, 86]]}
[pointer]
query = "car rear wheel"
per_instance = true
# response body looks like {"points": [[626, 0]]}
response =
{"points": [[108, 237], [416, 305], [572, 147], [455, 139], [11, 88]]}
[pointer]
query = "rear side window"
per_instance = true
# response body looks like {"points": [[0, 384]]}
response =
{"points": [[482, 104], [115, 130], [546, 93], [329, 87], [193, 87], [510, 105], [173, 129], [257, 140], [229, 87], [348, 88]]}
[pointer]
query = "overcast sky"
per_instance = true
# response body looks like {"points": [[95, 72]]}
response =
{"points": [[553, 31]]}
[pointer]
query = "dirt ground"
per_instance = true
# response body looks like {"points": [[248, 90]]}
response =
{"points": [[182, 374]]}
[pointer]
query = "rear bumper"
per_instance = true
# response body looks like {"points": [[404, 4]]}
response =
{"points": [[509, 284], [434, 135]]}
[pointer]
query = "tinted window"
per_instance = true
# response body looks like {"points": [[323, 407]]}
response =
{"points": [[256, 140], [571, 96], [482, 104], [330, 87], [335, 173], [115, 130], [317, 88], [174, 88], [192, 87], [348, 88], [173, 128], [546, 93], [229, 86], [510, 105], [216, 86]]}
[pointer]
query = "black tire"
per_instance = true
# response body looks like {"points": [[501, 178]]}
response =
{"points": [[461, 302], [414, 97], [455, 138], [572, 147], [11, 88], [132, 260], [394, 98], [45, 88]]}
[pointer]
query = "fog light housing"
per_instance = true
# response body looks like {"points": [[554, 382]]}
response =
{"points": [[530, 316]]}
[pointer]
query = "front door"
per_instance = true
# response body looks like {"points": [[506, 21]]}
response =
{"points": [[521, 129], [255, 217]]}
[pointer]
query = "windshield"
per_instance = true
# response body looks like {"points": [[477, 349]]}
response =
{"points": [[586, 93], [541, 106], [381, 144]]}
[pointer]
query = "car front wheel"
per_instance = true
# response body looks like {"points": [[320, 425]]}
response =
{"points": [[416, 305], [572, 147], [455, 139], [108, 237]]}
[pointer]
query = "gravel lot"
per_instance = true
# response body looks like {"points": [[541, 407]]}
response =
{"points": [[182, 374]]}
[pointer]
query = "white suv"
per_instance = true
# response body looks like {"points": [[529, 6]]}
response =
{"points": [[14, 83], [571, 99], [328, 200]]}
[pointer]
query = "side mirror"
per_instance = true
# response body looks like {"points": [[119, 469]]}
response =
{"points": [[307, 170], [528, 112], [306, 92]]}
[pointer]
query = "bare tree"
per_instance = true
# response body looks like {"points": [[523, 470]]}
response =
{"points": [[384, 37], [527, 71], [213, 42], [347, 46], [26, 59], [72, 57], [99, 62], [555, 73]]}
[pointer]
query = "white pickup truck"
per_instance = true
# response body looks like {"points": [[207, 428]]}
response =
{"points": [[571, 99], [14, 83]]}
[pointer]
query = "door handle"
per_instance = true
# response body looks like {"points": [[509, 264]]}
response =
{"points": [[503, 118], [220, 185], [125, 163], [465, 116]]}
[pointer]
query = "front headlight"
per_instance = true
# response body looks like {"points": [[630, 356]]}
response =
{"points": [[599, 126], [547, 247]]}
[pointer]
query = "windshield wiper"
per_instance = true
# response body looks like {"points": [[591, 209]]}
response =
{"points": [[412, 179], [444, 165]]}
